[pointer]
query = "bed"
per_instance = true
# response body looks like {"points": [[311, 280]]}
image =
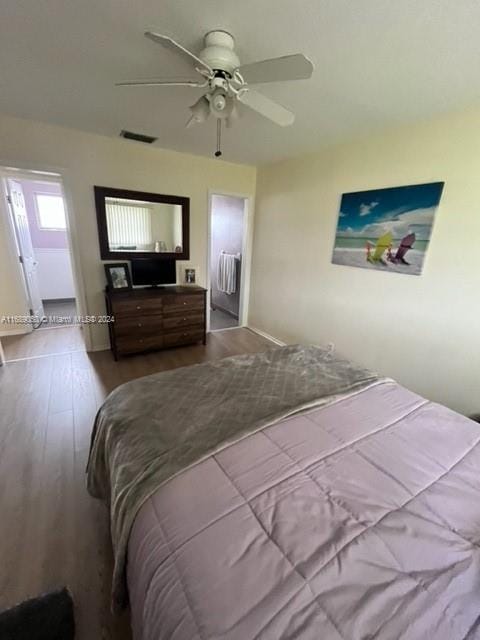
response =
{"points": [[341, 506]]}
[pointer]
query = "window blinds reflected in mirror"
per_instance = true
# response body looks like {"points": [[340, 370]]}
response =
{"points": [[136, 226], [129, 226]]}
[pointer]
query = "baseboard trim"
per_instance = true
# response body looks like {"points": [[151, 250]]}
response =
{"points": [[266, 335], [101, 347]]}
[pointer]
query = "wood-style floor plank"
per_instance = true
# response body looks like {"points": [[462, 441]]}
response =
{"points": [[42, 342], [53, 533]]}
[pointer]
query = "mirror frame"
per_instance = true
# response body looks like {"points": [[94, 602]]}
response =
{"points": [[109, 192]]}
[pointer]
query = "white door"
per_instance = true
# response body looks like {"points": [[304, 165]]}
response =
{"points": [[25, 247]]}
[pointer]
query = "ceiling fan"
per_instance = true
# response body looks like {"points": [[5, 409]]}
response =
{"points": [[226, 82]]}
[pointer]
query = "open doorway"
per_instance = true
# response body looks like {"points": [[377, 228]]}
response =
{"points": [[39, 233], [228, 218]]}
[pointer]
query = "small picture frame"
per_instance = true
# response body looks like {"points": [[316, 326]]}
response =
{"points": [[118, 276], [189, 276]]}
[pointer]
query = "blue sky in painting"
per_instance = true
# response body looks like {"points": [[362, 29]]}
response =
{"points": [[400, 210]]}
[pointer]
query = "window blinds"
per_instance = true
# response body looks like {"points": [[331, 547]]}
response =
{"points": [[129, 225]]}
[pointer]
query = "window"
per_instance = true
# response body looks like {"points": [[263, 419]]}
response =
{"points": [[51, 212]]}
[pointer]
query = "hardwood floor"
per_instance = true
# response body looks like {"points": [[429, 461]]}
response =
{"points": [[53, 532], [43, 342]]}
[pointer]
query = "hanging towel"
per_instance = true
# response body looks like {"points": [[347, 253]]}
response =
{"points": [[227, 273]]}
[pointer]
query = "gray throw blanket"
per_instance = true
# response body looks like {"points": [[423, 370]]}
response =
{"points": [[150, 429]]}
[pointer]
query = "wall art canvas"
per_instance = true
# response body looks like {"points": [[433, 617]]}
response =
{"points": [[387, 229]]}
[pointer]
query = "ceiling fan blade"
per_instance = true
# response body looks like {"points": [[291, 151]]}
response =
{"points": [[267, 108], [294, 67], [161, 83], [187, 55]]}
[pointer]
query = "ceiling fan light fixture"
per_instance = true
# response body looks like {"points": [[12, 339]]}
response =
{"points": [[200, 111], [221, 105], [233, 117], [219, 102]]}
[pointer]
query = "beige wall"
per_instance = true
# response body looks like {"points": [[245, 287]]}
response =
{"points": [[163, 224], [423, 331], [86, 160]]}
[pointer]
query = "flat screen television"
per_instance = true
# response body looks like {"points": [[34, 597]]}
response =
{"points": [[152, 273]]}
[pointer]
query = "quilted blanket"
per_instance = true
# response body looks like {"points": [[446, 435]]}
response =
{"points": [[150, 429], [357, 520]]}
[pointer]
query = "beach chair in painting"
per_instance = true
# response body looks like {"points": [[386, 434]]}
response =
{"points": [[406, 243], [383, 243]]}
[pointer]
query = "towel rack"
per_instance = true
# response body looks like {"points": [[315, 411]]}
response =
{"points": [[237, 256]]}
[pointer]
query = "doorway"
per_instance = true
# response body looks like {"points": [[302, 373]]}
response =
{"points": [[39, 233], [227, 260]]}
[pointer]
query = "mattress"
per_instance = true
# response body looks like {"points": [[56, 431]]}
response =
{"points": [[357, 520]]}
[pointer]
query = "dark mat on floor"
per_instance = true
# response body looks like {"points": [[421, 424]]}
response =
{"points": [[48, 617]]}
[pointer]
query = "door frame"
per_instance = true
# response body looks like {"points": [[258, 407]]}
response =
{"points": [[59, 177], [247, 244]]}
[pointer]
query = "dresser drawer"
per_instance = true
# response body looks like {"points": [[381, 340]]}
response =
{"points": [[124, 307], [136, 344], [189, 318], [152, 319], [173, 305], [173, 339], [137, 326]]}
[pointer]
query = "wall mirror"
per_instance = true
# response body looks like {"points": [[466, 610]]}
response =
{"points": [[135, 224]]}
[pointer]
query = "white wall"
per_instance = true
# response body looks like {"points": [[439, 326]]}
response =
{"points": [[86, 160], [54, 273], [422, 330]]}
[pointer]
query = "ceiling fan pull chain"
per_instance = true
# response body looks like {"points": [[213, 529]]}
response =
{"points": [[218, 152]]}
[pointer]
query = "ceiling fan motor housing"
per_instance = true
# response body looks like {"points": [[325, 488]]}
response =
{"points": [[219, 52]]}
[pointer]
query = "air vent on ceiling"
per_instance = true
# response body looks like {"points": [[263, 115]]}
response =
{"points": [[139, 137]]}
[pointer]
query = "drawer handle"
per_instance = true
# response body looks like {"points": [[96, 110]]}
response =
{"points": [[139, 324], [141, 340], [185, 335], [184, 319], [184, 303], [139, 307]]}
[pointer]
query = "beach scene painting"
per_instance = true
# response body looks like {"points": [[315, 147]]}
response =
{"points": [[387, 229]]}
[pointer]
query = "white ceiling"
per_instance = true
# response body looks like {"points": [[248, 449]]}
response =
{"points": [[377, 63]]}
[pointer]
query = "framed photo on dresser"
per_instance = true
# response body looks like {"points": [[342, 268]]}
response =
{"points": [[190, 276], [118, 276]]}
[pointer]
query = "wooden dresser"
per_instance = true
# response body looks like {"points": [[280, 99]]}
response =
{"points": [[149, 319]]}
